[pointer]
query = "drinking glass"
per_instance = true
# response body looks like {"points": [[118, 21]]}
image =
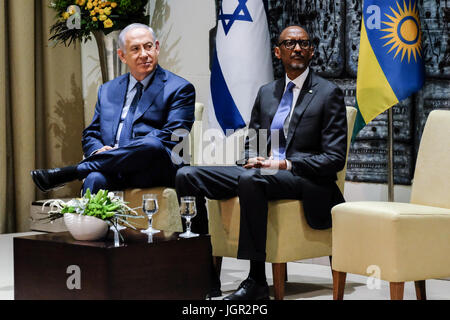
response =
{"points": [[118, 194], [188, 210], [150, 207]]}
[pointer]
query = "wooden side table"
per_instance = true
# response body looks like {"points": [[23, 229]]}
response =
{"points": [[55, 266]]}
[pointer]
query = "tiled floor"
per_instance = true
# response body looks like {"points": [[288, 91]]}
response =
{"points": [[314, 282], [305, 280]]}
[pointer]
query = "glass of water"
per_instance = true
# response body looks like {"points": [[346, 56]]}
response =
{"points": [[150, 207], [119, 195], [188, 210]]}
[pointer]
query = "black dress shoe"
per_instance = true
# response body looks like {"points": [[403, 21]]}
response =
{"points": [[214, 293], [48, 179], [250, 290]]}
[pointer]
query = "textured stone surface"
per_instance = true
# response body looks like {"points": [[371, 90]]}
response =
{"points": [[353, 32], [367, 162], [435, 20]]}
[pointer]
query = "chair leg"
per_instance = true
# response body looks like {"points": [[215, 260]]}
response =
{"points": [[338, 284], [217, 261], [331, 267], [285, 273], [279, 274], [421, 294], [397, 289]]}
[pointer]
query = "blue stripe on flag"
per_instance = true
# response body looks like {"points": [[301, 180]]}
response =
{"points": [[403, 66], [227, 113]]}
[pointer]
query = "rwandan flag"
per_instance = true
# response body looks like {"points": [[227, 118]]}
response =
{"points": [[390, 65]]}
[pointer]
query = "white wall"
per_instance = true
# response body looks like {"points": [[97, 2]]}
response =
{"points": [[91, 77], [182, 27], [357, 191]]}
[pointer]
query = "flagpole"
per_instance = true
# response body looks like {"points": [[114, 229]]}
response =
{"points": [[390, 165]]}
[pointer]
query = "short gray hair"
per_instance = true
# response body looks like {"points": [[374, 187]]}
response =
{"points": [[130, 27]]}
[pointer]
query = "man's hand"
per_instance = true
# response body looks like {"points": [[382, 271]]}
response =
{"points": [[255, 162], [274, 164], [104, 148], [260, 162]]}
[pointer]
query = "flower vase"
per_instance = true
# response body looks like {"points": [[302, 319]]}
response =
{"points": [[110, 63], [83, 227]]}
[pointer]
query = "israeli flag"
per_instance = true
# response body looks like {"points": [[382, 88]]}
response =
{"points": [[242, 63]]}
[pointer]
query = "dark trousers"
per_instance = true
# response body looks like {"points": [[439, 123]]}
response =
{"points": [[253, 187], [143, 163]]}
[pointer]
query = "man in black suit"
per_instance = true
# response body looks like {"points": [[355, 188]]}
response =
{"points": [[305, 119]]}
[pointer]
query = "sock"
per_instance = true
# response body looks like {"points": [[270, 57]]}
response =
{"points": [[70, 173], [215, 280], [258, 271]]}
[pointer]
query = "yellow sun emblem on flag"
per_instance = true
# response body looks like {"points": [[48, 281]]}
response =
{"points": [[404, 31]]}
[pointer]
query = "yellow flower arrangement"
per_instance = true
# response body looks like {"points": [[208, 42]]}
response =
{"points": [[108, 23], [77, 19]]}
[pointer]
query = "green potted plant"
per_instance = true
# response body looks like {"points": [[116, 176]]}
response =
{"points": [[88, 217]]}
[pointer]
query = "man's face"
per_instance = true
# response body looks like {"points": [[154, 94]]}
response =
{"points": [[141, 52], [297, 58]]}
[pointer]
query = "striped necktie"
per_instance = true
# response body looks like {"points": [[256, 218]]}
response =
{"points": [[127, 128]]}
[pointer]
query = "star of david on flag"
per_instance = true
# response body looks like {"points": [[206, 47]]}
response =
{"points": [[242, 63], [241, 13]]}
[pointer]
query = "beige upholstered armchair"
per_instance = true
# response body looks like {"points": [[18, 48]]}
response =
{"points": [[168, 217], [289, 238], [401, 241]]}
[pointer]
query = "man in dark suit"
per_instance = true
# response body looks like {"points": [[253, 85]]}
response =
{"points": [[139, 118], [303, 117]]}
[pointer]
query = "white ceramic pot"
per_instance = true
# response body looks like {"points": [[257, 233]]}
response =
{"points": [[85, 227]]}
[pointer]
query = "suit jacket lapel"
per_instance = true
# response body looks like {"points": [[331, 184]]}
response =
{"points": [[304, 98], [278, 94], [150, 93], [118, 100]]}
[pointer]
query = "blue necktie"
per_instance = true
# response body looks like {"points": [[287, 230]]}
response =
{"points": [[127, 127], [279, 119]]}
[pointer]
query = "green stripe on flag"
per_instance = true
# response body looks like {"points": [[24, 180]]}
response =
{"points": [[359, 122]]}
